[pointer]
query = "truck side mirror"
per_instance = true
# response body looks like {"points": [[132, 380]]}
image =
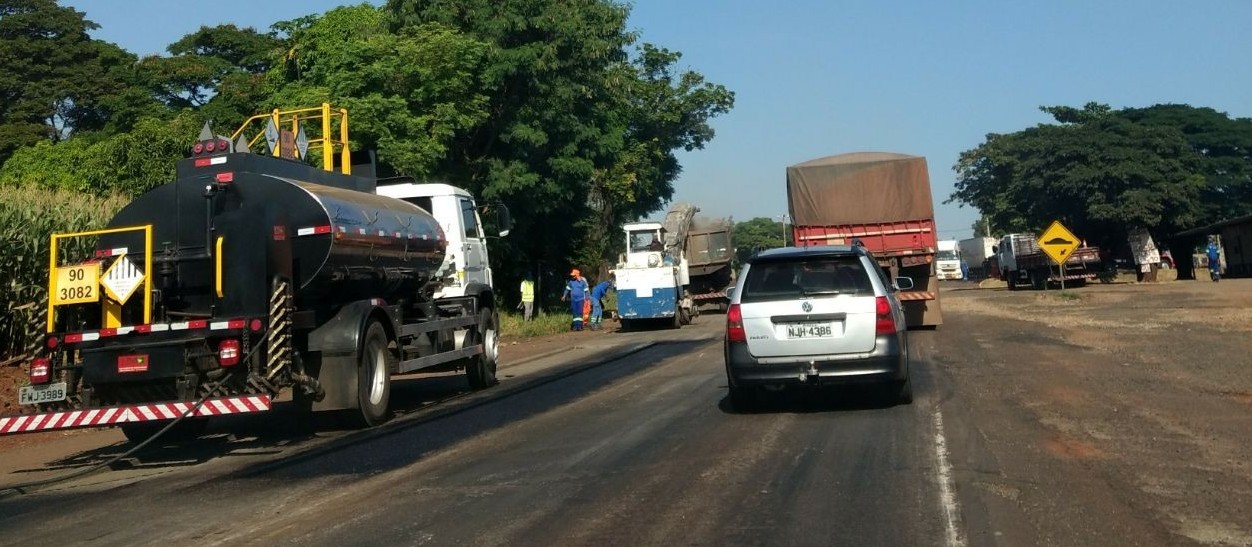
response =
{"points": [[903, 283], [995, 248], [503, 219]]}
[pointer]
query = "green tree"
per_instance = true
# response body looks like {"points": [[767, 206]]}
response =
{"points": [[1098, 172], [757, 233], [409, 94], [127, 163], [218, 70], [579, 133], [1223, 148], [57, 80]]}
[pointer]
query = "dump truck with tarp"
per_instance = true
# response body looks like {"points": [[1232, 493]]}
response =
{"points": [[881, 200]]}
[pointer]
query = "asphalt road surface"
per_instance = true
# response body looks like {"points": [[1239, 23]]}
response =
{"points": [[636, 445]]}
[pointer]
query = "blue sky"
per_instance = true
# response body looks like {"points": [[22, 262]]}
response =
{"points": [[815, 78]]}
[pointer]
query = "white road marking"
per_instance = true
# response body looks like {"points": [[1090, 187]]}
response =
{"points": [[947, 495]]}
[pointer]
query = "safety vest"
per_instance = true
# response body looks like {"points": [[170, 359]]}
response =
{"points": [[528, 291]]}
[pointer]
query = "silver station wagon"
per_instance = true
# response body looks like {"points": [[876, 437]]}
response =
{"points": [[815, 316]]}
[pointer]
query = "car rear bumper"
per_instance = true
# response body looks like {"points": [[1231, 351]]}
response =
{"points": [[887, 362]]}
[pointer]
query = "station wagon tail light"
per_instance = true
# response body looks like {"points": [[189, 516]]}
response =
{"points": [[40, 371], [228, 353], [885, 323], [734, 325]]}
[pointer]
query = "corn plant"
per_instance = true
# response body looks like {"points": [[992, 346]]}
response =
{"points": [[28, 216]]}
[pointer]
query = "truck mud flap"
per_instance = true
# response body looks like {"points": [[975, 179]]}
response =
{"points": [[125, 414]]}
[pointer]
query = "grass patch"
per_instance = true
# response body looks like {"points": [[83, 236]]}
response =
{"points": [[1067, 295], [512, 325]]}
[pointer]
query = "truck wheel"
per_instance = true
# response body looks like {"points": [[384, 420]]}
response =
{"points": [[1038, 281], [186, 430], [374, 376], [1012, 280], [481, 371]]}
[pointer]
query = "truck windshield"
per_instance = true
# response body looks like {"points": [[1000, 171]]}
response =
{"points": [[948, 255], [645, 240]]}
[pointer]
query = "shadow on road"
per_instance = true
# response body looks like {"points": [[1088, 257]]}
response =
{"points": [[809, 400]]}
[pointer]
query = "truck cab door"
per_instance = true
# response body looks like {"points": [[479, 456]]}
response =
{"points": [[474, 245]]}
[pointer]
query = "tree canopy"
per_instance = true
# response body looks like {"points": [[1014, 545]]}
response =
{"points": [[757, 233], [1103, 172], [552, 107]]}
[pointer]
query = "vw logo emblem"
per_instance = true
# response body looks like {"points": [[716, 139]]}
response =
{"points": [[807, 307]]}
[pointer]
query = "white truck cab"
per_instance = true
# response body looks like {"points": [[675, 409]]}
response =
{"points": [[948, 260], [466, 263]]}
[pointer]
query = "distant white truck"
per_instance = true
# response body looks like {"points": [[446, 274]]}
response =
{"points": [[948, 260], [977, 251]]}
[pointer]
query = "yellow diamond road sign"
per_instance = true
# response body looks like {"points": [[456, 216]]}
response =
{"points": [[1058, 242]]}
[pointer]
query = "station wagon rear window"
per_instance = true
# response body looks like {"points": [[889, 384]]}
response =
{"points": [[806, 277]]}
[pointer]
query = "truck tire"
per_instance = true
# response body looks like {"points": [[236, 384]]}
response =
{"points": [[481, 372], [1038, 281], [186, 430], [374, 376], [1011, 279]]}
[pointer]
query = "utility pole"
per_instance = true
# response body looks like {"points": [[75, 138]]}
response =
{"points": [[784, 218]]}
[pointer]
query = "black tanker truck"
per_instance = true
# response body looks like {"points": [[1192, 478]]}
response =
{"points": [[253, 274]]}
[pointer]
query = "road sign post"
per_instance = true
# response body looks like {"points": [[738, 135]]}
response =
{"points": [[1058, 243]]}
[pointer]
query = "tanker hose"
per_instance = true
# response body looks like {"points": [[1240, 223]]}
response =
{"points": [[309, 384], [22, 488]]}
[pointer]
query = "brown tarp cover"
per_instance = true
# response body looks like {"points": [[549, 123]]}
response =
{"points": [[859, 188]]}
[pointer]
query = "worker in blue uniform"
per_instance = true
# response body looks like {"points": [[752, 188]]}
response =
{"points": [[597, 302], [576, 291]]}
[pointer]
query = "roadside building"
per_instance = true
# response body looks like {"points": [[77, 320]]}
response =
{"points": [[1235, 238]]}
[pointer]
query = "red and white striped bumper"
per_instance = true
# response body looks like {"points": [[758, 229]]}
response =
{"points": [[115, 415], [906, 296]]}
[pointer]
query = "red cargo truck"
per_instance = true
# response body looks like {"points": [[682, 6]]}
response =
{"points": [[883, 200]]}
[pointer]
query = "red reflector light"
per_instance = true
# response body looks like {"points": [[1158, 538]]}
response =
{"points": [[210, 146], [198, 148], [734, 325], [52, 342], [223, 146], [255, 325], [203, 162], [885, 323], [224, 178], [198, 324], [235, 324], [228, 353], [40, 371], [132, 363]]}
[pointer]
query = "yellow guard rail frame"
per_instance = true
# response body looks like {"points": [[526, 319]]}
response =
{"points": [[293, 118], [147, 271]]}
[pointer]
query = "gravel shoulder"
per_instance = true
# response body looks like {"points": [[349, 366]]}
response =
{"points": [[1107, 414]]}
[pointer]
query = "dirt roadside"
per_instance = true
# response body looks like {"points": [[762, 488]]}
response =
{"points": [[1107, 414], [35, 449]]}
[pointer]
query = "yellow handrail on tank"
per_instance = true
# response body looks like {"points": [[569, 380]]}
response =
{"points": [[293, 118], [109, 314]]}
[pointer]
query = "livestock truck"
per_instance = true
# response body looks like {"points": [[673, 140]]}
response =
{"points": [[1020, 262], [881, 200], [977, 252], [250, 275]]}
